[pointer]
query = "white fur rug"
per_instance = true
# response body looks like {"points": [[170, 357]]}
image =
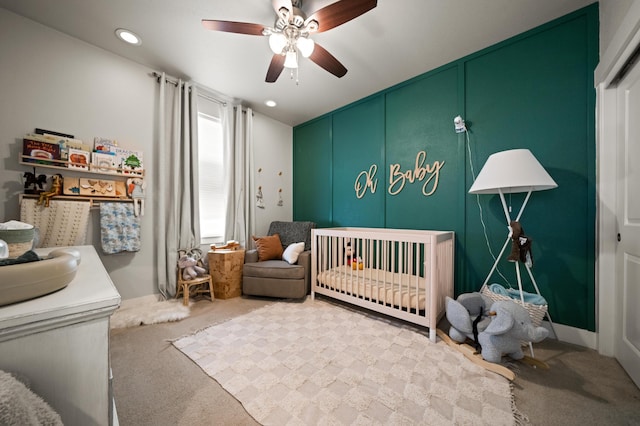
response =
{"points": [[320, 363], [150, 312]]}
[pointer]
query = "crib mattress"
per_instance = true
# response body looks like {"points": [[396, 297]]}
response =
{"points": [[399, 290]]}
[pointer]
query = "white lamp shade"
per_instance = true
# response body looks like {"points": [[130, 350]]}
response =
{"points": [[291, 60], [512, 171], [277, 42], [305, 45]]}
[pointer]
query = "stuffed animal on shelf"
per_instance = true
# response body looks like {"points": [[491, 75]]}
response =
{"points": [[33, 184], [56, 189], [136, 189], [190, 268]]}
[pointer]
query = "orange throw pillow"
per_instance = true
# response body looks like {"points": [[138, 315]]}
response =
{"points": [[268, 247]]}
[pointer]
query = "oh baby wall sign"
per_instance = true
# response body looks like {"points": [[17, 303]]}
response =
{"points": [[426, 173]]}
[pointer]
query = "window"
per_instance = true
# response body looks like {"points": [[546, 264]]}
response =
{"points": [[211, 173]]}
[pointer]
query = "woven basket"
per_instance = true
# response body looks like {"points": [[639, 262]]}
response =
{"points": [[536, 312], [18, 240]]}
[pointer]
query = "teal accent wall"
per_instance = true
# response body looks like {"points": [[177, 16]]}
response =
{"points": [[533, 91]]}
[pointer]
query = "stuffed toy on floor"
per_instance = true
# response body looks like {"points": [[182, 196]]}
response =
{"points": [[499, 328]]}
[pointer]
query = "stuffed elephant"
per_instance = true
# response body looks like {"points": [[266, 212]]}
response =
{"points": [[510, 326], [462, 312], [499, 333], [190, 268]]}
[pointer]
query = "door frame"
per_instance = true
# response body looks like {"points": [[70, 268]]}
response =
{"points": [[626, 38]]}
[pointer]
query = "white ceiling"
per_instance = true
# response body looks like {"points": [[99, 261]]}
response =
{"points": [[396, 41]]}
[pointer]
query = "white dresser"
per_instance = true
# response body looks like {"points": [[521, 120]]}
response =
{"points": [[59, 343]]}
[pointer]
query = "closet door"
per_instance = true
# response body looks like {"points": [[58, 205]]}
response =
{"points": [[628, 213]]}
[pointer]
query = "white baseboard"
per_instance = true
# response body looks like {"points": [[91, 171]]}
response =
{"points": [[576, 336]]}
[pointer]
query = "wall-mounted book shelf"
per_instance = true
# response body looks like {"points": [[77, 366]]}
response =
{"points": [[94, 201], [78, 167]]}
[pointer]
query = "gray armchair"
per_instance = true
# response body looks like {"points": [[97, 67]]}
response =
{"points": [[278, 278]]}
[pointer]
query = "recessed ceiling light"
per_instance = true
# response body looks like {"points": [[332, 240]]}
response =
{"points": [[270, 103], [128, 36]]}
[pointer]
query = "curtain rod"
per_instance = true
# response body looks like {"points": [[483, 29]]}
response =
{"points": [[175, 82]]}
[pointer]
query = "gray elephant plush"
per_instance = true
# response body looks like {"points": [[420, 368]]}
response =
{"points": [[499, 333], [463, 312]]}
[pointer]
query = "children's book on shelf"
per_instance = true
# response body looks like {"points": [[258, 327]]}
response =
{"points": [[103, 163], [66, 144], [129, 161], [41, 150], [79, 159], [105, 146]]}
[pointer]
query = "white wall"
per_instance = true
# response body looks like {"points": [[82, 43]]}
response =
{"points": [[273, 156], [56, 82], [612, 12]]}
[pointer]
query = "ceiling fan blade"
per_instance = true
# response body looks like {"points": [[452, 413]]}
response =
{"points": [[275, 68], [327, 61], [233, 27], [340, 12]]}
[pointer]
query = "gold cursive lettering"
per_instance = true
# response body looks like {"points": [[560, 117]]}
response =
{"points": [[398, 178], [369, 182]]}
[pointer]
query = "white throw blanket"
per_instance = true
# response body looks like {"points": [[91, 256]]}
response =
{"points": [[20, 406], [63, 223]]}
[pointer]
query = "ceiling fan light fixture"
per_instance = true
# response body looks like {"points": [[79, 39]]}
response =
{"points": [[291, 59], [277, 42], [305, 46]]}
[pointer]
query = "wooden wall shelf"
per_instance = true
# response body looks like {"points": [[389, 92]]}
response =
{"points": [[93, 200], [63, 165]]}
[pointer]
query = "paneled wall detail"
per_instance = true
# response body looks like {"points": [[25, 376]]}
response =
{"points": [[533, 91]]}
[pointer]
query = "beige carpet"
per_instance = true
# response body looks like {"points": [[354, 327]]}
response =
{"points": [[318, 363]]}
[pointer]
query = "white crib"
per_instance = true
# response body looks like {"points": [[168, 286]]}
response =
{"points": [[403, 273]]}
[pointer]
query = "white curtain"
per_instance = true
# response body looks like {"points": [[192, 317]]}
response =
{"points": [[239, 186], [176, 175]]}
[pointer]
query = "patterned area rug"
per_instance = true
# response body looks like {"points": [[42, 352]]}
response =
{"points": [[319, 363]]}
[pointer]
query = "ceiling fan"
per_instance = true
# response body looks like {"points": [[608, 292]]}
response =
{"points": [[290, 34]]}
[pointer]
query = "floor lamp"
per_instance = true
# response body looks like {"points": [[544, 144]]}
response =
{"points": [[508, 172]]}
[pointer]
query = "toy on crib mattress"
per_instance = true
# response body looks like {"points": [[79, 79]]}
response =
{"points": [[498, 328], [357, 263], [190, 268], [136, 190]]}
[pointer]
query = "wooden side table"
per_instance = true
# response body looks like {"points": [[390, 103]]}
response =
{"points": [[225, 267]]}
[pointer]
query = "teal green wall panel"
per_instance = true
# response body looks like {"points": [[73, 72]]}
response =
{"points": [[532, 91], [422, 146], [312, 183], [535, 93], [358, 165]]}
